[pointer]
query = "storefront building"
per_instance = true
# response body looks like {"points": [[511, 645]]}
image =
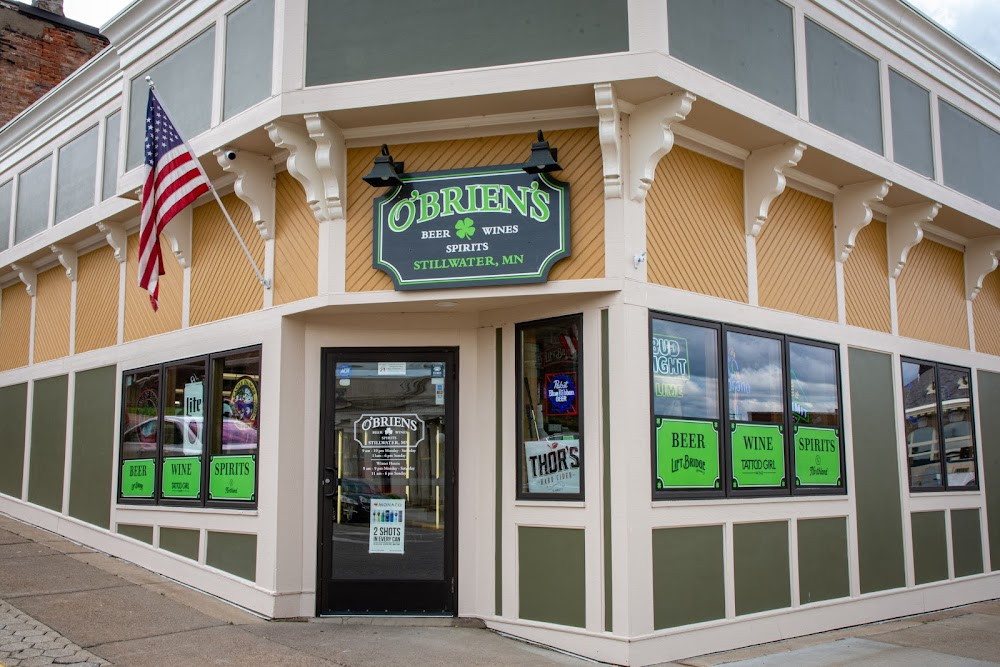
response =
{"points": [[712, 360]]}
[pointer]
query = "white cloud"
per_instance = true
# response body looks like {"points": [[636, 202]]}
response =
{"points": [[93, 12], [975, 22]]}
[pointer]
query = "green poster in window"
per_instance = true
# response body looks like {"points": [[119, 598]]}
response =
{"points": [[758, 456], [138, 478], [232, 478], [687, 454], [817, 456], [181, 477]]}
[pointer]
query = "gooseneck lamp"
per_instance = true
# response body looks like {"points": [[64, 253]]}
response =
{"points": [[543, 158], [385, 173]]}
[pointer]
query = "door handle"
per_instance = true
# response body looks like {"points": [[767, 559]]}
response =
{"points": [[330, 479]]}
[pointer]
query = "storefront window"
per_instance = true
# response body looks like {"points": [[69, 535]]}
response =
{"points": [[549, 387], [781, 432], [754, 376], [815, 407], [173, 413], [686, 424], [937, 402], [236, 415], [140, 431]]}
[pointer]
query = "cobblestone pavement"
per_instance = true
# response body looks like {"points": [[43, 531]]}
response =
{"points": [[24, 642]]}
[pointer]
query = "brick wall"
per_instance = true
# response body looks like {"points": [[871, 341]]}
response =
{"points": [[36, 53]]}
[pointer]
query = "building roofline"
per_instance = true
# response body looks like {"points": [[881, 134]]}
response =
{"points": [[917, 26], [55, 19]]}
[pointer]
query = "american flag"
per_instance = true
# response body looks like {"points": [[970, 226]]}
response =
{"points": [[173, 180]]}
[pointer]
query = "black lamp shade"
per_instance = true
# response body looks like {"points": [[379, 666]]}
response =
{"points": [[385, 173], [542, 158]]}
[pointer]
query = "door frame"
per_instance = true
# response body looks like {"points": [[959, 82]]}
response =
{"points": [[329, 356]]}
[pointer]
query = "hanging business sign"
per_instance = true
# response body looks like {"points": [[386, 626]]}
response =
{"points": [[470, 227]]}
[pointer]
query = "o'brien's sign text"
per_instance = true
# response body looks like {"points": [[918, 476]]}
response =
{"points": [[479, 226]]}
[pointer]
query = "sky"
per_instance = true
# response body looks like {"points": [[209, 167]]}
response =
{"points": [[975, 22]]}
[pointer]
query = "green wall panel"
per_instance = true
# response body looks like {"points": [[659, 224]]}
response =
{"points": [[551, 579], [180, 541], [876, 471], [966, 542], [235, 553], [48, 442], [141, 533], [823, 570], [930, 547], [760, 556], [93, 446], [989, 450], [349, 40], [13, 413], [688, 576]]}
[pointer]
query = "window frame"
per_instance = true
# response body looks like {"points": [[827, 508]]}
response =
{"points": [[724, 466], [519, 421], [208, 427], [791, 489], [945, 486]]}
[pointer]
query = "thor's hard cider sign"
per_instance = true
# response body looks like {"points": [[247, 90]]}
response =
{"points": [[481, 226]]}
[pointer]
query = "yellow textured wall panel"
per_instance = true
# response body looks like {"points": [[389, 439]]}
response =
{"points": [[579, 154], [296, 243], [694, 226], [930, 293], [15, 327], [986, 315], [796, 269], [866, 280], [223, 283], [140, 319], [97, 300], [52, 305]]}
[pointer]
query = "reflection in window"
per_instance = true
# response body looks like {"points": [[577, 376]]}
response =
{"points": [[813, 372], [754, 371], [183, 421], [956, 420], [236, 422], [140, 421], [549, 388], [249, 46], [109, 182], [685, 362], [921, 425]]}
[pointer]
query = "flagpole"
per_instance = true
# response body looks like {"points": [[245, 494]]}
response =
{"points": [[263, 281]]}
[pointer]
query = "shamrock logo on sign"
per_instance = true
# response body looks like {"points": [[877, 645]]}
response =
{"points": [[464, 228]]}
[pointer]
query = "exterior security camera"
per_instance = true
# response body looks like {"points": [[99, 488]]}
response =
{"points": [[230, 154]]}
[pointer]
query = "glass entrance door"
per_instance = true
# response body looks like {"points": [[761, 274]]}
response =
{"points": [[387, 501]]}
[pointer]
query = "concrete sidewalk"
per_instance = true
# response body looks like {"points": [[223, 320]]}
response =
{"points": [[64, 604]]}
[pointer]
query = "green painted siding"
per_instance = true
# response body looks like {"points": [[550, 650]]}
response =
{"points": [[141, 533], [966, 542], [551, 579], [930, 548], [606, 469], [989, 450], [13, 413], [235, 553], [823, 570], [876, 477], [48, 443], [93, 446], [688, 576], [760, 555], [180, 541]]}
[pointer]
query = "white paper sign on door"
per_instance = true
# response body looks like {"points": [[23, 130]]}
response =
{"points": [[388, 523]]}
